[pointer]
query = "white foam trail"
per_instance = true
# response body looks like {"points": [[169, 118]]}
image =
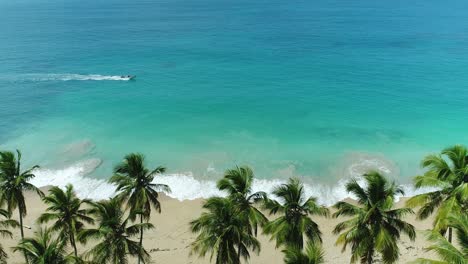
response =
{"points": [[73, 77], [183, 186]]}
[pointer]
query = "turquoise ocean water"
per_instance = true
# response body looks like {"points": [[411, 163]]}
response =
{"points": [[322, 90]]}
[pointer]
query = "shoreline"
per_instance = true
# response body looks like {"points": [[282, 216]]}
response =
{"points": [[170, 241], [189, 187]]}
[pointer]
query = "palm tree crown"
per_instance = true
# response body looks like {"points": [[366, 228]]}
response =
{"points": [[289, 229], [448, 253], [67, 212], [222, 232], [313, 254], [448, 173], [238, 184], [135, 186], [5, 223], [374, 226], [13, 183], [113, 232], [44, 248]]}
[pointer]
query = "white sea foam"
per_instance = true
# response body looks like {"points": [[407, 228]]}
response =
{"points": [[72, 77], [85, 187], [183, 186]]}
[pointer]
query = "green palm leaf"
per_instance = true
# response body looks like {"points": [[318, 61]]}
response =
{"points": [[448, 253], [221, 232], [44, 248], [313, 254], [65, 209], [237, 183], [374, 226], [448, 172], [295, 223], [113, 233], [13, 184], [135, 186]]}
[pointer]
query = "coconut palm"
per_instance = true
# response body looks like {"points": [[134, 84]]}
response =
{"points": [[221, 231], [448, 174], [67, 212], [5, 223], [295, 209], [374, 227], [448, 253], [114, 234], [135, 186], [44, 248], [313, 254], [13, 184], [238, 184]]}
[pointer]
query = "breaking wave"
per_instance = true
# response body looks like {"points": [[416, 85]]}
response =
{"points": [[186, 186]]}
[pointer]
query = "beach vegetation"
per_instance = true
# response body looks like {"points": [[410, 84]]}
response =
{"points": [[113, 233], [312, 254], [447, 174], [67, 212], [237, 183], [222, 233], [45, 247], [294, 223], [14, 182], [5, 224], [447, 252], [136, 188], [374, 226]]}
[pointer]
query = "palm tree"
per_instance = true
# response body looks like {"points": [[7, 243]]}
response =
{"points": [[4, 232], [448, 173], [65, 209], [238, 184], [313, 254], [446, 251], [113, 232], [289, 229], [135, 186], [13, 184], [222, 232], [44, 248], [374, 226]]}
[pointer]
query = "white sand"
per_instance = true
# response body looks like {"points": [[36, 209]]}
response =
{"points": [[170, 241]]}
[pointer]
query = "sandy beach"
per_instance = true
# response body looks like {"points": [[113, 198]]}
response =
{"points": [[170, 241]]}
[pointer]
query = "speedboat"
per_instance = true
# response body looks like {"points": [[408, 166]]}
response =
{"points": [[128, 77]]}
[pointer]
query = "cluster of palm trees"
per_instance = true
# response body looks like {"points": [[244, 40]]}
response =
{"points": [[111, 224], [228, 227]]}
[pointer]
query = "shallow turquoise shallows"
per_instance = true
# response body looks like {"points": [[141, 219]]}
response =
{"points": [[293, 88]]}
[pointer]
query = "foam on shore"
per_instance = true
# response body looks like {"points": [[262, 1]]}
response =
{"points": [[183, 186]]}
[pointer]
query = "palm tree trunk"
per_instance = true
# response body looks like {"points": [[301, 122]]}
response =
{"points": [[72, 242], [21, 228], [141, 236], [450, 235], [370, 256], [21, 222]]}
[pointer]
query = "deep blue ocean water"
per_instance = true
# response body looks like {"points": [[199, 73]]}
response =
{"points": [[292, 88]]}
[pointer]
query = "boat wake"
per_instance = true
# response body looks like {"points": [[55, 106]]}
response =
{"points": [[73, 77]]}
